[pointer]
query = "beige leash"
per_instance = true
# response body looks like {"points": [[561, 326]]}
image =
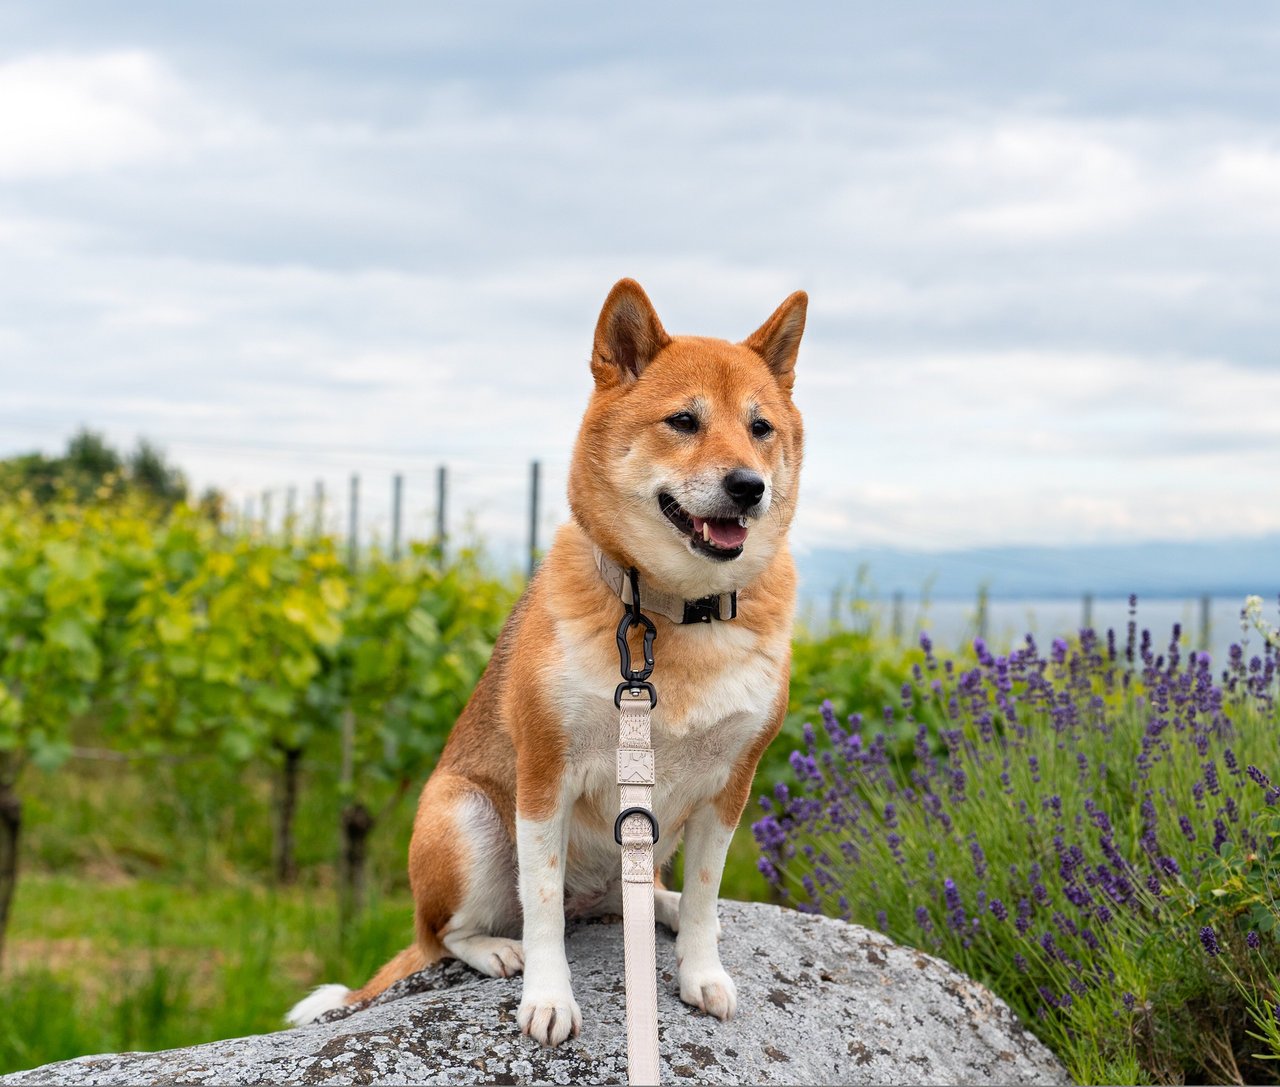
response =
{"points": [[638, 834], [636, 830]]}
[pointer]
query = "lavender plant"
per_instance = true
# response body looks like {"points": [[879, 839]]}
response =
{"points": [[1090, 832]]}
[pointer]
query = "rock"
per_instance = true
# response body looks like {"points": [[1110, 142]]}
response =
{"points": [[819, 1001]]}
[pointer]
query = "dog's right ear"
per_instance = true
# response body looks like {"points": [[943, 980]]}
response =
{"points": [[628, 336]]}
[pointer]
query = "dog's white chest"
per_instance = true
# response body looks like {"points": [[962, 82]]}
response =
{"points": [[698, 734]]}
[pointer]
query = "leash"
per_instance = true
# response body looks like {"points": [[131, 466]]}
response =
{"points": [[636, 831]]}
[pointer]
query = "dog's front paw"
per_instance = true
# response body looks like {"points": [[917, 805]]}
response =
{"points": [[710, 989], [549, 1016]]}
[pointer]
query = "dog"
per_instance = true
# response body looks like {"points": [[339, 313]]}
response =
{"points": [[686, 468]]}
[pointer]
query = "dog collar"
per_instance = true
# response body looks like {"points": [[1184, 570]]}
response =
{"points": [[680, 611]]}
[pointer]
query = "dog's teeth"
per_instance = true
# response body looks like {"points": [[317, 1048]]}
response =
{"points": [[742, 521], [706, 532]]}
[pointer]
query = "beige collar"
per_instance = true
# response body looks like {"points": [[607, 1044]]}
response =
{"points": [[676, 608]]}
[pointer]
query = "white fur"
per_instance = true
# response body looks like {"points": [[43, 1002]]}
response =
{"points": [[481, 931], [704, 982], [548, 1012], [323, 998]]}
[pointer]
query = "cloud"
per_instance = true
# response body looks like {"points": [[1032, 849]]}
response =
{"points": [[1031, 321], [64, 114]]}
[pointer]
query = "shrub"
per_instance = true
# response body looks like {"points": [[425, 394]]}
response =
{"points": [[1066, 828]]}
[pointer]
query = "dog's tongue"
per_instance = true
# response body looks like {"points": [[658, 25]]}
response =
{"points": [[725, 532]]}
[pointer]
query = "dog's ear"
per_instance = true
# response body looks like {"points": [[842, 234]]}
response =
{"points": [[628, 335], [777, 341]]}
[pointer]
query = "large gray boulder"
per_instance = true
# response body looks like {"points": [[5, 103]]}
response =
{"points": [[819, 1001]]}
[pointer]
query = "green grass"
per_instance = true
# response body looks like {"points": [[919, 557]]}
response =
{"points": [[141, 964]]}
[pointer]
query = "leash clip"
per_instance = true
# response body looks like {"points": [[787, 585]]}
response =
{"points": [[635, 679]]}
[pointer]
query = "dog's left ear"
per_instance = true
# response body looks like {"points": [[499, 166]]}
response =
{"points": [[628, 335], [777, 341]]}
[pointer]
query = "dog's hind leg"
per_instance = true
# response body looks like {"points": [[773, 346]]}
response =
{"points": [[462, 871], [666, 908], [488, 912]]}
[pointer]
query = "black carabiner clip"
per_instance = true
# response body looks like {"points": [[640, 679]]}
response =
{"points": [[635, 678]]}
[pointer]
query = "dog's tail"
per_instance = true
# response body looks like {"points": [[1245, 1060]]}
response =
{"points": [[324, 998]]}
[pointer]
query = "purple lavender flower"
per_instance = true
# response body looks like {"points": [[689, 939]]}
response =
{"points": [[1210, 940], [922, 919], [979, 858], [1219, 834], [1128, 1001], [1211, 777], [1187, 831], [1020, 963], [1168, 866], [998, 910], [882, 921], [1253, 941], [1258, 776], [951, 893]]}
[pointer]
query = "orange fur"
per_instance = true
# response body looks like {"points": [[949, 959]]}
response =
{"points": [[516, 745]]}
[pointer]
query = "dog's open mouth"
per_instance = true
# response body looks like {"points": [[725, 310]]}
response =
{"points": [[718, 537]]}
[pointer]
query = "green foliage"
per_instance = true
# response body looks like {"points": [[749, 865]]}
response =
{"points": [[226, 641], [60, 581], [853, 670], [415, 640], [92, 471]]}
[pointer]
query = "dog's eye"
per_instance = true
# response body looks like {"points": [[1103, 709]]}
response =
{"points": [[761, 428], [683, 421]]}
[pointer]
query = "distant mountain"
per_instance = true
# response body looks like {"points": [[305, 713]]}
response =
{"points": [[1220, 568]]}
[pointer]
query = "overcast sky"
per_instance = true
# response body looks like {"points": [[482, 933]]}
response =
{"points": [[290, 241]]}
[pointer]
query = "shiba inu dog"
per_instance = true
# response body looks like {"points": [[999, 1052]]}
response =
{"points": [[686, 468]]}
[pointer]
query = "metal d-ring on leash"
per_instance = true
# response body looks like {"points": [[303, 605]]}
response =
{"points": [[636, 830]]}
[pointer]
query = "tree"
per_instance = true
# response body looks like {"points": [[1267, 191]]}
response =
{"points": [[92, 471]]}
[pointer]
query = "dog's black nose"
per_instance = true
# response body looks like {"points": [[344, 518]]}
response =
{"points": [[745, 487]]}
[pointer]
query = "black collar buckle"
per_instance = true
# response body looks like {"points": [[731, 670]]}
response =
{"points": [[708, 608]]}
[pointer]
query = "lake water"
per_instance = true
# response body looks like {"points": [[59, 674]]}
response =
{"points": [[950, 622]]}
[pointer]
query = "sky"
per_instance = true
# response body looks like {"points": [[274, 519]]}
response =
{"points": [[293, 241]]}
